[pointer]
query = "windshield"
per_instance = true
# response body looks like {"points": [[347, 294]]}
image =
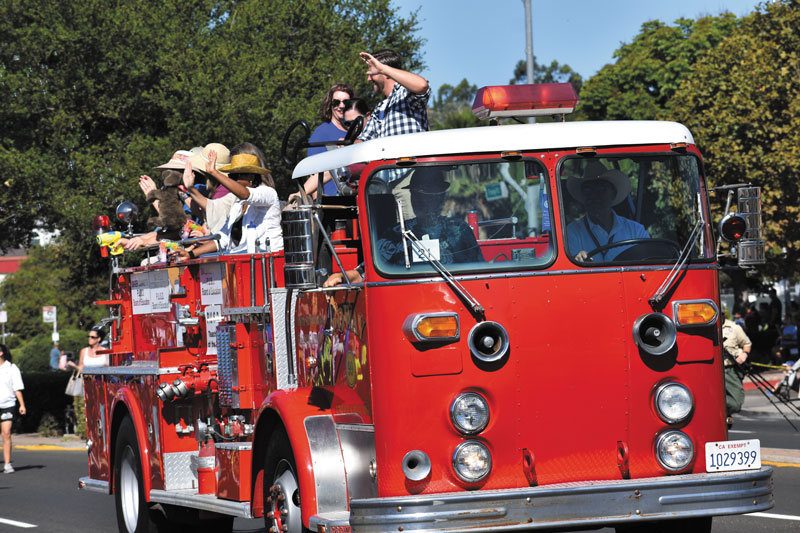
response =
{"points": [[631, 209], [469, 216]]}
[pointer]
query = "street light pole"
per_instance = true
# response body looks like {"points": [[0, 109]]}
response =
{"points": [[529, 44]]}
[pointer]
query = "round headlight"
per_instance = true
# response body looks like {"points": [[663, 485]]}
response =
{"points": [[472, 461], [470, 413], [674, 450], [673, 402]]}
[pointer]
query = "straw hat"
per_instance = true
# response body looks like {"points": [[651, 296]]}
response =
{"points": [[595, 171], [200, 158], [244, 164], [176, 162]]}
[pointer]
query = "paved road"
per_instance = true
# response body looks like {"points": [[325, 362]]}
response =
{"points": [[43, 492]]}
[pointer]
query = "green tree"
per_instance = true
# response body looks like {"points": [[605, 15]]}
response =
{"points": [[552, 73], [452, 107], [96, 93], [44, 279], [646, 73], [742, 104]]}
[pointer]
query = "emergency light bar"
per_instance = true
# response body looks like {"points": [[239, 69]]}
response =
{"points": [[525, 100]]}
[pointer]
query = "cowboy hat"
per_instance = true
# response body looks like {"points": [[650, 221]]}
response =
{"points": [[428, 180], [200, 158], [595, 171], [244, 164], [176, 162]]}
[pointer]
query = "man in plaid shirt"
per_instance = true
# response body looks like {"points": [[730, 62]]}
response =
{"points": [[405, 109]]}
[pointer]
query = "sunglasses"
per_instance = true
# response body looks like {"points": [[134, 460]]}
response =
{"points": [[348, 123], [94, 337], [337, 103]]}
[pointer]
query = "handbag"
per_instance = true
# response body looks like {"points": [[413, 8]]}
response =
{"points": [[74, 385]]}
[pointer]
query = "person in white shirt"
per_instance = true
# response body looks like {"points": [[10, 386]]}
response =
{"points": [[11, 387], [257, 210]]}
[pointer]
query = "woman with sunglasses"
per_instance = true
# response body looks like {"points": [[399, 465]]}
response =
{"points": [[10, 393], [89, 356], [332, 127]]}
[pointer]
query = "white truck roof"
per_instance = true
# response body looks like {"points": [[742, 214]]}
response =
{"points": [[518, 137]]}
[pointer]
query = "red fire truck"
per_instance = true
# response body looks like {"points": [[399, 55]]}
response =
{"points": [[533, 340]]}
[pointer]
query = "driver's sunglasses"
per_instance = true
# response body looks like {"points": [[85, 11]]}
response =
{"points": [[337, 103], [348, 123], [94, 337]]}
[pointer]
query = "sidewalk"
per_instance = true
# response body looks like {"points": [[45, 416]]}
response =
{"points": [[34, 441]]}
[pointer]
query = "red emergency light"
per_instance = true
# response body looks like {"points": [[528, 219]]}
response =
{"points": [[525, 100]]}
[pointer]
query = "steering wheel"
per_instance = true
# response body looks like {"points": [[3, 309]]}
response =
{"points": [[301, 143], [630, 254], [354, 130]]}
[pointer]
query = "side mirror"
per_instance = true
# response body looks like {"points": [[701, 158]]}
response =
{"points": [[751, 245]]}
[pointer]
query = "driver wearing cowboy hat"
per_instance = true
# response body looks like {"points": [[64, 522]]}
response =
{"points": [[599, 190]]}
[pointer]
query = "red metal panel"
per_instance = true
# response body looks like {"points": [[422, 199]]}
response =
{"points": [[234, 474]]}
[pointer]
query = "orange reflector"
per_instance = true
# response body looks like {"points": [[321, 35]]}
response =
{"points": [[437, 327], [695, 313]]}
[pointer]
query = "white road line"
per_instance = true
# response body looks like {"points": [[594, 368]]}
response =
{"points": [[16, 524], [779, 516], [740, 431]]}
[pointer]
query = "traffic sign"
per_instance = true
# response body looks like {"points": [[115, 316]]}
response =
{"points": [[49, 313]]}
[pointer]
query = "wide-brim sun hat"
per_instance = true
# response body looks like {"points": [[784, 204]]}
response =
{"points": [[176, 162], [244, 164], [595, 171], [200, 158]]}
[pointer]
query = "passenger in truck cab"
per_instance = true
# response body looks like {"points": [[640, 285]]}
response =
{"points": [[598, 191], [450, 240], [255, 217], [405, 109]]}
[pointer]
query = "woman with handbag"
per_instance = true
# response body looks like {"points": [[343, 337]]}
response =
{"points": [[88, 358], [10, 393]]}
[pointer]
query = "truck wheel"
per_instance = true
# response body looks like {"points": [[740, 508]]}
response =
{"points": [[133, 512], [281, 490], [695, 525]]}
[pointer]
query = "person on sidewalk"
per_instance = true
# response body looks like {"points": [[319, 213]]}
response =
{"points": [[736, 346], [55, 355], [10, 393]]}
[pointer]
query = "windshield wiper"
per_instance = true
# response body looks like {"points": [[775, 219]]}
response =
{"points": [[422, 251], [683, 258]]}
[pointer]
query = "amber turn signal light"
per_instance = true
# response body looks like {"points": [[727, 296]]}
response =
{"points": [[431, 327], [695, 313]]}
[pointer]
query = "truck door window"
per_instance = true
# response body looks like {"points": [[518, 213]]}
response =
{"points": [[630, 209], [469, 216]]}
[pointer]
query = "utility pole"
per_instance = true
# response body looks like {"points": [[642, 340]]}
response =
{"points": [[529, 44]]}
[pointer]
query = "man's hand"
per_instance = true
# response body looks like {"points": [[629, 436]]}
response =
{"points": [[373, 65], [741, 358], [582, 256], [22, 410]]}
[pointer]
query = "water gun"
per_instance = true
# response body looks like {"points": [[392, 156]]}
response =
{"points": [[110, 240], [164, 247], [189, 227]]}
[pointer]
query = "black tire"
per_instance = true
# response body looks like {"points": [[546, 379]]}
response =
{"points": [[281, 488], [133, 512], [689, 525]]}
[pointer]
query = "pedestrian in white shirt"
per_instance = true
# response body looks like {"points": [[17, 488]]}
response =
{"points": [[10, 393]]}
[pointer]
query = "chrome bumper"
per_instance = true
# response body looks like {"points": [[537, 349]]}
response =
{"points": [[596, 503]]}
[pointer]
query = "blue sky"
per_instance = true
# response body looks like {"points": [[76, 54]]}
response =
{"points": [[483, 40]]}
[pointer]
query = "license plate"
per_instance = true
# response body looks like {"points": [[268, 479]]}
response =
{"points": [[729, 455]]}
